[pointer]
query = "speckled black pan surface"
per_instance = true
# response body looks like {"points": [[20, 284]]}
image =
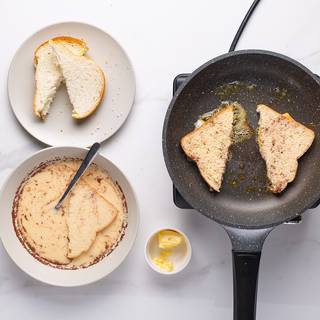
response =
{"points": [[244, 200]]}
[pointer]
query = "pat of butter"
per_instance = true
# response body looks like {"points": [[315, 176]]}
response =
{"points": [[169, 239], [163, 262]]}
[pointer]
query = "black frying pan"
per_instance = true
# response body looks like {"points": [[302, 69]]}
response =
{"points": [[244, 207]]}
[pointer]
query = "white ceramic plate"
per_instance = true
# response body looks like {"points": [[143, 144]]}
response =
{"points": [[59, 128], [45, 273]]}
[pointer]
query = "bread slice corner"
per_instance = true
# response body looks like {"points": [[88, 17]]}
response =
{"points": [[106, 212], [85, 80], [282, 141], [77, 46], [208, 145]]}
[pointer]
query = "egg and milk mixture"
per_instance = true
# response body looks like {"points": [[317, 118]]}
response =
{"points": [[44, 232]]}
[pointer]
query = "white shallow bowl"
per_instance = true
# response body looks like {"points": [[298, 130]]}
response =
{"points": [[181, 255], [54, 276], [60, 128]]}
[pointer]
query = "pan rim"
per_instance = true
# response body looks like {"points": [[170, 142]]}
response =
{"points": [[171, 106]]}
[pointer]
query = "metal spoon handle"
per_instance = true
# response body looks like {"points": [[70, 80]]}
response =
{"points": [[84, 165]]}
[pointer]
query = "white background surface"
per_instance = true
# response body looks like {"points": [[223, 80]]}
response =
{"points": [[164, 38]]}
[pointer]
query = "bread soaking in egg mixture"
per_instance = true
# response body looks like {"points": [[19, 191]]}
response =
{"points": [[88, 226]]}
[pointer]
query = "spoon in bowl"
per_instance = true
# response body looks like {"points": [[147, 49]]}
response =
{"points": [[83, 167]]}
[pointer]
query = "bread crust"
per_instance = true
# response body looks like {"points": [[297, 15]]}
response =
{"points": [[95, 107], [62, 39], [80, 42]]}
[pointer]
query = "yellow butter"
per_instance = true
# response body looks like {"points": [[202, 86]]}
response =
{"points": [[163, 262], [287, 116], [169, 239]]}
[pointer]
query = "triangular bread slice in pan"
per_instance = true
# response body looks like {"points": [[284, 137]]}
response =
{"points": [[209, 145], [84, 80], [87, 214], [48, 76], [282, 141]]}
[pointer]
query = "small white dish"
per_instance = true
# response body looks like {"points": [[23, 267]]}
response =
{"points": [[60, 128], [180, 256], [45, 273]]}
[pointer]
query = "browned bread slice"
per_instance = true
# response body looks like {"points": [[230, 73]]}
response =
{"points": [[209, 145], [282, 141]]}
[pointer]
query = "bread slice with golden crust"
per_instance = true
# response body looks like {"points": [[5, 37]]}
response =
{"points": [[209, 145], [84, 80], [77, 46], [48, 76], [282, 141]]}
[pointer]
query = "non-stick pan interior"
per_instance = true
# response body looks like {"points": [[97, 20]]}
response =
{"points": [[250, 78]]}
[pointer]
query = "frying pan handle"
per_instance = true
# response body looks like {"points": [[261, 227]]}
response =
{"points": [[245, 282], [246, 252]]}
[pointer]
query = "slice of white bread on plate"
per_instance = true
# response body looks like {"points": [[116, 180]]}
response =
{"points": [[209, 145], [84, 80], [48, 76], [282, 141], [87, 213]]}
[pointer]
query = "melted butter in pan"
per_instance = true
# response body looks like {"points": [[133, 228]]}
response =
{"points": [[241, 128]]}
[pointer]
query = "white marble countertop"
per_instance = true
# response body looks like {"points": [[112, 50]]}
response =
{"points": [[165, 38]]}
